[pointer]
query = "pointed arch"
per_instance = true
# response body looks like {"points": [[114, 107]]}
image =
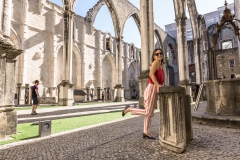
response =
{"points": [[92, 13], [111, 60], [136, 18]]}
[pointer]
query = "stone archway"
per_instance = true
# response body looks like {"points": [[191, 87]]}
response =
{"points": [[92, 14], [108, 76]]}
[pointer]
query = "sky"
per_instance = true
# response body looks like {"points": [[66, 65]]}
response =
{"points": [[163, 14]]}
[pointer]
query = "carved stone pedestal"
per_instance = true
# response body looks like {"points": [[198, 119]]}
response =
{"points": [[143, 83], [119, 93], [11, 127], [66, 93], [175, 118], [3, 125]]}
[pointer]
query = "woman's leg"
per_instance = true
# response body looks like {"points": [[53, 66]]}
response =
{"points": [[151, 107], [147, 100]]}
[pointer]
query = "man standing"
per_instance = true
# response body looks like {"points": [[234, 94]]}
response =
{"points": [[35, 97]]}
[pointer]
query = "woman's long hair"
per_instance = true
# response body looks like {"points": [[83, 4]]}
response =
{"points": [[154, 52]]}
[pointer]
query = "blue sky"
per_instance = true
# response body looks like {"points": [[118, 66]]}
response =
{"points": [[163, 14]]}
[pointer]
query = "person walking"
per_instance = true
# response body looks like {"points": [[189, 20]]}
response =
{"points": [[155, 81], [35, 97]]}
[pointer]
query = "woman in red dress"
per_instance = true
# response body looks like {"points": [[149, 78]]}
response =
{"points": [[155, 81]]}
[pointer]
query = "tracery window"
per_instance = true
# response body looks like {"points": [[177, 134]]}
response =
{"points": [[227, 44]]}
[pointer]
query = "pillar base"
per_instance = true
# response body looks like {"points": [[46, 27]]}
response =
{"points": [[66, 93], [119, 93], [11, 123], [3, 125], [143, 83]]}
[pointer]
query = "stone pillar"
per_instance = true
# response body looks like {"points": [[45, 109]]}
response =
{"points": [[19, 91], [197, 61], [9, 88], [26, 93], [147, 44], [2, 82], [1, 17], [119, 87], [66, 90], [24, 39], [182, 45], [66, 99], [53, 54], [87, 90], [98, 93], [3, 125], [175, 118], [7, 16]]}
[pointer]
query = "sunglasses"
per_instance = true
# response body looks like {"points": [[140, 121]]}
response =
{"points": [[157, 54]]}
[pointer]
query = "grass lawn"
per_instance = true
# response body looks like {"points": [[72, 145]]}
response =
{"points": [[28, 131]]}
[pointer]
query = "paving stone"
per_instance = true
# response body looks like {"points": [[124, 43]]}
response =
{"points": [[123, 140]]}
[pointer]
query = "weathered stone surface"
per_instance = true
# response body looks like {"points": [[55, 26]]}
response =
{"points": [[223, 97], [3, 124], [11, 127], [175, 118]]}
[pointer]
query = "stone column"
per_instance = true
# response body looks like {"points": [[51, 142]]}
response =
{"points": [[98, 93], [24, 40], [87, 90], [2, 82], [9, 88], [98, 59], [26, 93], [119, 87], [147, 44], [1, 18], [182, 45], [53, 54], [7, 15], [66, 96], [19, 91]]}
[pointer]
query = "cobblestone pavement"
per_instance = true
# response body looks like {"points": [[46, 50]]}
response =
{"points": [[123, 140]]}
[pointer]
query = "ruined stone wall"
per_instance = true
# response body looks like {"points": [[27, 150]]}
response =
{"points": [[42, 40], [228, 63]]}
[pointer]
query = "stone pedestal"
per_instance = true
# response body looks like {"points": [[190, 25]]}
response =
{"points": [[119, 93], [175, 118], [3, 124], [223, 97], [11, 127], [143, 83], [98, 93], [66, 93]]}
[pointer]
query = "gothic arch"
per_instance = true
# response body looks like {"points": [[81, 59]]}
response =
{"points": [[111, 60], [79, 69], [159, 40], [136, 18], [92, 13]]}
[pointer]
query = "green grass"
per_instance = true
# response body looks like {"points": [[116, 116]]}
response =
{"points": [[28, 131]]}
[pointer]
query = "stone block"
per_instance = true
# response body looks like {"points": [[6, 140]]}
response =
{"points": [[11, 127], [3, 125], [175, 118], [48, 100], [223, 97]]}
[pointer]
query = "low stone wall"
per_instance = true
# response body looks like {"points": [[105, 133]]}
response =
{"points": [[48, 100], [223, 97]]}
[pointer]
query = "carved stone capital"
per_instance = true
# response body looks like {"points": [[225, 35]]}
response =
{"points": [[181, 21]]}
